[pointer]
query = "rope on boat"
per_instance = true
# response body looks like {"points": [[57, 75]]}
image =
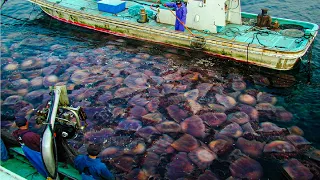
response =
{"points": [[309, 64], [3, 3]]}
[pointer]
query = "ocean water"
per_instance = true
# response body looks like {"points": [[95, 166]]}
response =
{"points": [[30, 36]]}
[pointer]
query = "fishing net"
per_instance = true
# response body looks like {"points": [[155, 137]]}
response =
{"points": [[292, 33], [135, 11]]}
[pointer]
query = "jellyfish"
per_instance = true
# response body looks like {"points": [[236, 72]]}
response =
{"points": [[250, 148], [123, 92], [179, 167], [152, 118], [238, 117], [232, 130], [208, 175], [246, 168], [186, 143], [280, 147], [221, 146], [193, 106], [138, 112], [202, 157], [137, 100], [168, 127], [136, 81], [192, 95], [193, 126], [247, 99], [296, 170], [226, 101], [213, 119], [176, 113], [204, 88], [147, 131]]}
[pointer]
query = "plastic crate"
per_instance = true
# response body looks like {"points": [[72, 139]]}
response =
{"points": [[111, 6]]}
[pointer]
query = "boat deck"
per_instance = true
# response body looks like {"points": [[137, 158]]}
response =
{"points": [[27, 171], [291, 40]]}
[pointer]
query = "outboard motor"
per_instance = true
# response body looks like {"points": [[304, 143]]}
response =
{"points": [[61, 122]]}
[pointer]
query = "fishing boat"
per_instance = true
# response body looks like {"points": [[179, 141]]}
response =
{"points": [[216, 27]]}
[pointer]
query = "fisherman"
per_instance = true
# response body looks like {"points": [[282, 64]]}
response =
{"points": [[91, 167], [263, 19], [30, 143], [181, 14]]}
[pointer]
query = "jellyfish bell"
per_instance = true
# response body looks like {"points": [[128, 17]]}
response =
{"points": [[298, 141], [168, 127], [202, 157], [208, 175], [247, 99], [314, 155], [147, 132], [213, 119], [11, 67], [129, 125], [135, 148], [238, 117], [139, 112], [232, 130], [37, 82], [162, 145], [296, 130], [238, 85], [78, 76], [283, 115], [296, 170], [19, 84], [151, 162], [251, 148], [50, 80], [152, 118], [138, 100], [179, 167], [250, 111], [246, 167], [263, 97], [204, 88], [123, 92], [192, 95], [281, 149], [153, 105], [226, 101], [111, 153], [176, 113], [193, 106], [136, 81], [185, 143], [193, 126], [221, 146], [124, 163]]}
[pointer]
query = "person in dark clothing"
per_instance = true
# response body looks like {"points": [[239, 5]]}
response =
{"points": [[30, 144], [29, 138], [90, 167]]}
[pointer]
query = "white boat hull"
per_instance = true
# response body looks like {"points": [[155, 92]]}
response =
{"points": [[227, 49]]}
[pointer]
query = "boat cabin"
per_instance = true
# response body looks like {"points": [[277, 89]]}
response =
{"points": [[203, 15]]}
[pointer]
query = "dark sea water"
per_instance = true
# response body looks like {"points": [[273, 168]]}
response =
{"points": [[26, 33]]}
